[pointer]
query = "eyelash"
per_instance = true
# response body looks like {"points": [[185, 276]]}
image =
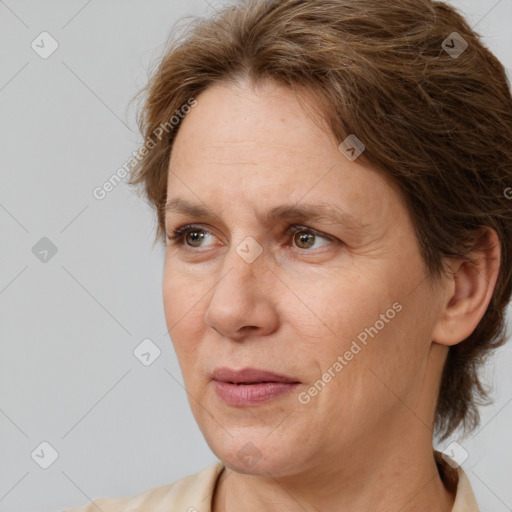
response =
{"points": [[178, 235]]}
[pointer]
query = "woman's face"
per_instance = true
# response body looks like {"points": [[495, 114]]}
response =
{"points": [[339, 305]]}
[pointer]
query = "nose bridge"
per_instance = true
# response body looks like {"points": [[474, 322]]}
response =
{"points": [[243, 264], [237, 298]]}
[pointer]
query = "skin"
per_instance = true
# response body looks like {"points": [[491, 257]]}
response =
{"points": [[365, 441]]}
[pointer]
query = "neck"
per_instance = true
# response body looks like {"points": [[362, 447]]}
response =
{"points": [[407, 480]]}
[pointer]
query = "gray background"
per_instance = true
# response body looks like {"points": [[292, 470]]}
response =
{"points": [[68, 326]]}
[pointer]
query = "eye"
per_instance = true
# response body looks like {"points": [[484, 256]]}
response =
{"points": [[180, 235], [192, 236], [305, 238]]}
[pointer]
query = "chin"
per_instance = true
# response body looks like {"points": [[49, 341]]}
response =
{"points": [[251, 451]]}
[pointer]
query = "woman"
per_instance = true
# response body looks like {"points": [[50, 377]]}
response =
{"points": [[329, 179]]}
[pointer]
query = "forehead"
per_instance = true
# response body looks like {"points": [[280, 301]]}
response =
{"points": [[244, 144], [266, 120]]}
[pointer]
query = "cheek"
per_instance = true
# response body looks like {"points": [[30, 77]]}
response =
{"points": [[387, 355], [181, 291], [358, 328], [172, 291], [184, 314], [340, 309]]}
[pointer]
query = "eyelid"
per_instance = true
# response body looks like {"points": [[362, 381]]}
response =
{"points": [[180, 232], [294, 228]]}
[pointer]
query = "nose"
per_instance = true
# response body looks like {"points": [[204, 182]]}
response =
{"points": [[241, 303]]}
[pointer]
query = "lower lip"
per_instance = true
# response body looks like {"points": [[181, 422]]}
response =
{"points": [[252, 394]]}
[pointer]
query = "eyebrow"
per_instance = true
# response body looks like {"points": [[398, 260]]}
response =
{"points": [[297, 212]]}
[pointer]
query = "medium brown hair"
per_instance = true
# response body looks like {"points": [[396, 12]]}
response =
{"points": [[438, 125]]}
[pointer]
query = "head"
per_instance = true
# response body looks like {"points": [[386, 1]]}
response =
{"points": [[382, 314]]}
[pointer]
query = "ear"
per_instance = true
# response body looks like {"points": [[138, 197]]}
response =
{"points": [[468, 291]]}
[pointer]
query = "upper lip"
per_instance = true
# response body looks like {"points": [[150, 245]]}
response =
{"points": [[249, 375]]}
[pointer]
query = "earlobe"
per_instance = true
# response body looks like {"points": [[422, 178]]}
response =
{"points": [[468, 291]]}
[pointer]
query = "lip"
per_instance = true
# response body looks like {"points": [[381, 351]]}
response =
{"points": [[250, 386], [249, 376]]}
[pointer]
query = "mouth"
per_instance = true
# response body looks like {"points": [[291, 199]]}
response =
{"points": [[249, 376], [251, 386]]}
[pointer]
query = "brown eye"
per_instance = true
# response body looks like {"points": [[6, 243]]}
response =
{"points": [[304, 239], [194, 237], [188, 236]]}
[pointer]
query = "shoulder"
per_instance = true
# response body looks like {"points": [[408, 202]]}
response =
{"points": [[465, 499], [192, 493], [456, 480]]}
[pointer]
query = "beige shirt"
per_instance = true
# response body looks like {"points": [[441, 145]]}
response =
{"points": [[194, 494]]}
